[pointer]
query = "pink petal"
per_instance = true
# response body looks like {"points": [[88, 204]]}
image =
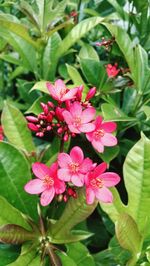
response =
{"points": [[109, 126], [86, 165], [52, 90], [100, 169], [70, 94], [34, 186], [59, 86], [90, 196], [88, 115], [98, 121], [104, 195], [74, 129], [98, 145], [76, 109], [64, 159], [87, 127], [109, 140], [40, 170], [77, 155], [89, 136], [53, 170], [64, 174], [59, 186], [110, 179], [47, 196], [77, 180], [68, 117]]}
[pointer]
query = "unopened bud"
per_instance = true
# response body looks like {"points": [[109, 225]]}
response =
{"points": [[74, 195], [31, 118], [60, 130], [59, 197], [79, 93], [90, 94], [66, 137], [50, 104], [70, 191], [49, 118], [65, 198], [40, 134], [45, 108], [33, 127], [58, 113], [49, 128]]}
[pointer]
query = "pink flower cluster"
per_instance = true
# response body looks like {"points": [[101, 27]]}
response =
{"points": [[71, 171], [72, 115]]}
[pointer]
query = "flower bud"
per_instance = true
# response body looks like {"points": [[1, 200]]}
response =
{"points": [[60, 130], [40, 134], [50, 104], [79, 93], [31, 118], [33, 127], [58, 113], [90, 94], [66, 137], [45, 108]]}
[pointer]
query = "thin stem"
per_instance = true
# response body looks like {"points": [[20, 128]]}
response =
{"points": [[62, 144]]}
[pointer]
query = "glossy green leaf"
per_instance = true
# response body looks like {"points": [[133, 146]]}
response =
{"points": [[9, 58], [129, 237], [15, 173], [28, 257], [142, 70], [8, 253], [80, 254], [26, 51], [136, 171], [49, 60], [109, 154], [15, 128], [36, 108], [76, 211], [27, 9], [113, 113], [115, 208], [76, 78], [78, 32], [146, 110], [66, 260], [12, 25], [88, 52], [41, 86], [9, 214]]}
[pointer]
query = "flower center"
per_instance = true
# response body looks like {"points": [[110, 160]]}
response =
{"points": [[99, 133], [77, 121], [96, 182], [48, 181], [74, 167], [63, 92]]}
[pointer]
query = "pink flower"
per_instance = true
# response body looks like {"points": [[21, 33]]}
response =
{"points": [[1, 133], [60, 92], [97, 182], [46, 182], [73, 167], [78, 120], [112, 71], [101, 136]]}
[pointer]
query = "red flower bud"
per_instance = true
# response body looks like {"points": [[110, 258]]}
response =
{"points": [[58, 113], [31, 118], [66, 137], [79, 93], [50, 104], [40, 134], [90, 94], [45, 108], [33, 127]]}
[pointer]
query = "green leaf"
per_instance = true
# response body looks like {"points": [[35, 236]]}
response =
{"points": [[66, 260], [15, 173], [115, 208], [76, 211], [9, 214], [15, 128], [13, 26], [25, 50], [41, 86], [109, 154], [142, 70], [91, 70], [8, 253], [136, 171], [77, 33], [28, 257], [76, 78], [80, 254], [49, 60], [15, 234], [36, 107], [10, 58], [88, 52], [129, 237], [113, 113], [146, 110]]}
